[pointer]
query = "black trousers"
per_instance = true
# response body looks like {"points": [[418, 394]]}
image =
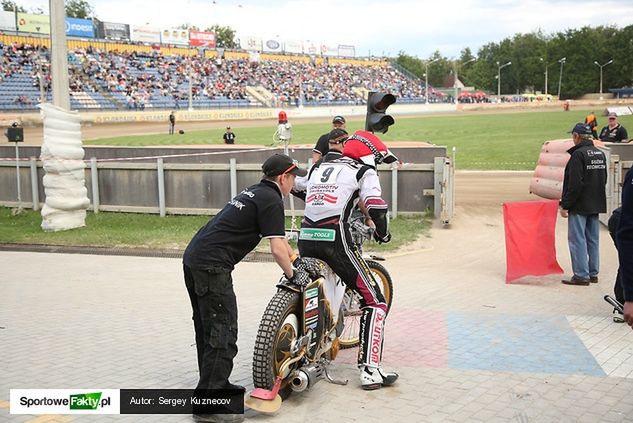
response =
{"points": [[347, 262], [215, 323]]}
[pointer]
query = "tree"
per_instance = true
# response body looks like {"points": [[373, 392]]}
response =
{"points": [[10, 6], [224, 36], [187, 25], [439, 69], [464, 72], [411, 64], [80, 9]]}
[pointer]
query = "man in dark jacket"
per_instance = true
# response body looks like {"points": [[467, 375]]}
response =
{"points": [[583, 198], [624, 239]]}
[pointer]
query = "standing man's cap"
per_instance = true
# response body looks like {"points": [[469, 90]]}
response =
{"points": [[337, 136], [279, 164], [613, 115], [338, 119], [581, 129]]}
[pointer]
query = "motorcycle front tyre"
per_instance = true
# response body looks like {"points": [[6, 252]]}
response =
{"points": [[280, 325]]}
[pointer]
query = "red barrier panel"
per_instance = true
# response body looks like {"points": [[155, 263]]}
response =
{"points": [[530, 238]]}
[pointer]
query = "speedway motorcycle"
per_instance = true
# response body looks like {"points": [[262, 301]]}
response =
{"points": [[303, 329]]}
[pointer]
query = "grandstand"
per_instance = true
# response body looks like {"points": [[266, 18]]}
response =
{"points": [[107, 75]]}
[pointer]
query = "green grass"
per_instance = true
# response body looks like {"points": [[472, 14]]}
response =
{"points": [[483, 141], [152, 231]]}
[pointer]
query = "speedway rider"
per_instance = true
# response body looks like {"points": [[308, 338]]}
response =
{"points": [[333, 189]]}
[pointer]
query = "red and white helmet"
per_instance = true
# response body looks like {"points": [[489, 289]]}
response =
{"points": [[368, 148]]}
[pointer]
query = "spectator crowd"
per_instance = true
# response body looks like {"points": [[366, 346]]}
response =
{"points": [[140, 78]]}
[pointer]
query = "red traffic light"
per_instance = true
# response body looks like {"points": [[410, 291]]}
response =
{"points": [[376, 119]]}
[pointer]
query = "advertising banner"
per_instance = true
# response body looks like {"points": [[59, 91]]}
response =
{"points": [[272, 46], [346, 51], [202, 39], [310, 47], [80, 28], [37, 24], [251, 43], [293, 46], [7, 21], [112, 30], [329, 50], [145, 34], [175, 36]]}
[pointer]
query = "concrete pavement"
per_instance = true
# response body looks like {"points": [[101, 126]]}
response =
{"points": [[468, 346]]}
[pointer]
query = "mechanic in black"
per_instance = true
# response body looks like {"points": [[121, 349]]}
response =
{"points": [[321, 147], [229, 136], [614, 131], [255, 213]]}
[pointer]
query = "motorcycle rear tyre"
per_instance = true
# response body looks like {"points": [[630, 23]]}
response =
{"points": [[386, 287]]}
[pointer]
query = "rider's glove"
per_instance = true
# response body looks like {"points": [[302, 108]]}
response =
{"points": [[309, 265], [382, 240], [300, 278]]}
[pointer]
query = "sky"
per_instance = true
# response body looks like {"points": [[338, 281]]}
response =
{"points": [[374, 27]]}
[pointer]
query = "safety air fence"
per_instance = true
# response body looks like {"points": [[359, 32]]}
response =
{"points": [[547, 181], [163, 180]]}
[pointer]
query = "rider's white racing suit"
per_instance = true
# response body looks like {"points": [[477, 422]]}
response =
{"points": [[333, 189]]}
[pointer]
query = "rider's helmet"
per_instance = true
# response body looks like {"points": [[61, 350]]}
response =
{"points": [[367, 148]]}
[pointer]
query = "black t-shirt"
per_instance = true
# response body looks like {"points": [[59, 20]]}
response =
{"points": [[255, 213], [322, 145], [229, 138], [617, 134]]}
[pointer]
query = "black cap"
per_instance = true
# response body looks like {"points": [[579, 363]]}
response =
{"points": [[337, 136], [338, 119], [581, 129], [279, 164]]}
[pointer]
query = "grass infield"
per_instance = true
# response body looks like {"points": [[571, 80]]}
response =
{"points": [[152, 231], [495, 141]]}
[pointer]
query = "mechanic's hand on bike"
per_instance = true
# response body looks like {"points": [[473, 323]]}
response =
{"points": [[300, 278], [382, 240], [309, 265]]}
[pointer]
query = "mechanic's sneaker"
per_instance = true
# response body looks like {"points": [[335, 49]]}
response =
{"points": [[593, 279], [373, 378]]}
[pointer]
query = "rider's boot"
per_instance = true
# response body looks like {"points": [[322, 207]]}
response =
{"points": [[374, 377]]}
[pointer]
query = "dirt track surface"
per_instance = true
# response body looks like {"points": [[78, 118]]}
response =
{"points": [[486, 191]]}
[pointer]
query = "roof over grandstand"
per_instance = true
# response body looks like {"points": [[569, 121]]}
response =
{"points": [[414, 31]]}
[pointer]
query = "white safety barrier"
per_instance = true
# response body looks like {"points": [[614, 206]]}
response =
{"points": [[64, 182]]}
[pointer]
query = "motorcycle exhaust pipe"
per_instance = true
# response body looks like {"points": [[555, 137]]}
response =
{"points": [[306, 377], [300, 381]]}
